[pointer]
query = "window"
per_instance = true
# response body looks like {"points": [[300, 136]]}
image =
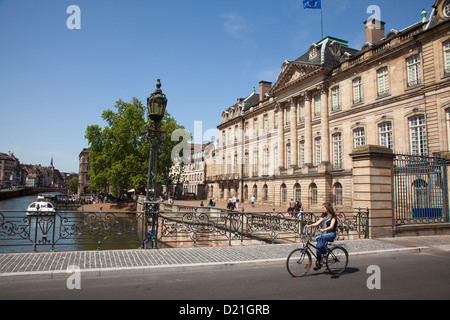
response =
{"points": [[447, 57], [223, 165], [385, 131], [414, 71], [266, 123], [302, 110], [223, 137], [288, 155], [338, 195], [318, 151], [236, 166], [302, 152], [255, 162], [247, 162], [317, 105], [383, 81], [313, 194], [298, 192], [275, 150], [421, 193], [335, 99], [255, 127], [337, 151], [266, 161], [284, 193], [288, 116], [359, 136], [266, 192], [418, 135], [357, 91]]}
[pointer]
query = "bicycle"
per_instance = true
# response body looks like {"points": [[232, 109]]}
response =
{"points": [[299, 261]]}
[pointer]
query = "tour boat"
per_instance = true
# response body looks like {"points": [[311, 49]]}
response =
{"points": [[40, 208]]}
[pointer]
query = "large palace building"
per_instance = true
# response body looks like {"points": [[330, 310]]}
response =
{"points": [[293, 139]]}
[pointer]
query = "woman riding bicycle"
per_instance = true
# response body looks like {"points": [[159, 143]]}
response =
{"points": [[328, 223]]}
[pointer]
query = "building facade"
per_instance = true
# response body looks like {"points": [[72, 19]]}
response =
{"points": [[83, 175], [293, 140]]}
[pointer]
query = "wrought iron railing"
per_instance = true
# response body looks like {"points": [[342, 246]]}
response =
{"points": [[420, 189], [78, 230]]}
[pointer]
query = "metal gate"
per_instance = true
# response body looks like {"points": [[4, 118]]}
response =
{"points": [[420, 189]]}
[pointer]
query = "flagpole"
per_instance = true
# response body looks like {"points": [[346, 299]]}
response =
{"points": [[321, 17]]}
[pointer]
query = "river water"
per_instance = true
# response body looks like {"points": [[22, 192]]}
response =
{"points": [[71, 231], [17, 204]]}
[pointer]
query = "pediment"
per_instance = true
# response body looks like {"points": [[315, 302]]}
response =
{"points": [[294, 72]]}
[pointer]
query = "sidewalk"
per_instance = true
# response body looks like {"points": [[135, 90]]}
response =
{"points": [[23, 266]]}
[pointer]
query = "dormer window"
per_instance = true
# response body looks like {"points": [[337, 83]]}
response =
{"points": [[313, 52], [447, 9], [335, 48]]}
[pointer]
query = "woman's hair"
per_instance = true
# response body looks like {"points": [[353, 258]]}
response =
{"points": [[330, 210]]}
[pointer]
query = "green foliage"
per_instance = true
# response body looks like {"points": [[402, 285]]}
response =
{"points": [[119, 152], [73, 184]]}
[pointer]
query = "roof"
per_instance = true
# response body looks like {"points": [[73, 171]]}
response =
{"points": [[327, 52]]}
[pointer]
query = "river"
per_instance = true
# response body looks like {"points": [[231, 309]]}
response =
{"points": [[17, 204], [68, 231]]}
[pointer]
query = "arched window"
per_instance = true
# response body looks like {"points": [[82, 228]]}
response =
{"points": [[338, 194], [266, 192], [283, 193], [255, 191], [297, 192], [313, 194], [421, 192]]}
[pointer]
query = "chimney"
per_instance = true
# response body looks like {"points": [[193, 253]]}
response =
{"points": [[374, 30], [264, 88]]}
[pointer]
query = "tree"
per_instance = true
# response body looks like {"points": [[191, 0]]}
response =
{"points": [[73, 185], [119, 152]]}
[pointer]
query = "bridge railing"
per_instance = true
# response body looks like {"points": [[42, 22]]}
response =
{"points": [[77, 230]]}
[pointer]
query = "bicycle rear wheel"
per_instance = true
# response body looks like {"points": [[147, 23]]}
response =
{"points": [[299, 262], [337, 260]]}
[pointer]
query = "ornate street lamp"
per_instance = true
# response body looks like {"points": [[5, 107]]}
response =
{"points": [[156, 104]]}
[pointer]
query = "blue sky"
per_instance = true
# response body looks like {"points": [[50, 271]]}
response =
{"points": [[54, 81]]}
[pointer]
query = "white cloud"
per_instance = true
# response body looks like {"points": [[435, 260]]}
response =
{"points": [[236, 26]]}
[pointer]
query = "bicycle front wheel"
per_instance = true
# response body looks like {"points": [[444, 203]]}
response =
{"points": [[299, 262], [337, 260]]}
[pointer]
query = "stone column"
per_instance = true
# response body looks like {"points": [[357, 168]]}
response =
{"points": [[325, 129], [294, 139], [373, 187], [280, 136], [308, 130]]}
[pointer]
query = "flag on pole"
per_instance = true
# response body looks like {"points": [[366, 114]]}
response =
{"points": [[312, 4]]}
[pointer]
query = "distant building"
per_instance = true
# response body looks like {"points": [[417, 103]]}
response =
{"points": [[83, 175], [10, 171]]}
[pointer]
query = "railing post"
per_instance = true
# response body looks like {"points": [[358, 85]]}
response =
{"points": [[242, 227]]}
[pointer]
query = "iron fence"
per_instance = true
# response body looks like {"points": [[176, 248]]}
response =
{"points": [[420, 189], [72, 231]]}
